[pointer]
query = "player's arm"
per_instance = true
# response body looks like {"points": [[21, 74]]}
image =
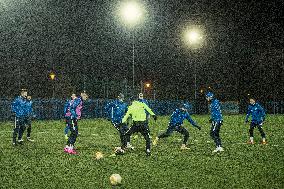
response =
{"points": [[66, 107], [262, 113], [146, 107], [248, 114], [190, 120], [15, 105], [127, 115], [108, 110]]}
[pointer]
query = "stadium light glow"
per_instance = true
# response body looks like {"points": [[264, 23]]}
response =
{"points": [[131, 12], [193, 36]]}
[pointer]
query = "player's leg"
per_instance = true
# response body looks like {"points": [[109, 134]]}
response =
{"points": [[251, 128], [260, 129], [15, 130], [123, 129], [145, 132], [29, 129], [21, 130], [164, 135], [218, 138], [128, 133], [66, 130], [214, 132], [73, 136], [185, 134]]}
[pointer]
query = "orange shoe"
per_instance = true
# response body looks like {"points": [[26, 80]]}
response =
{"points": [[263, 142], [250, 142]]}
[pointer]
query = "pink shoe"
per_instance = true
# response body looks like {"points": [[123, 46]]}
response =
{"points": [[73, 151], [66, 150]]}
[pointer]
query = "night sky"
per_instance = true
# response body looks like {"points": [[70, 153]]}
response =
{"points": [[88, 47]]}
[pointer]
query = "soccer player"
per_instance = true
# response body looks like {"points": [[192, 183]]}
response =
{"points": [[115, 112], [72, 111], [141, 99], [21, 111], [29, 119], [175, 124], [137, 112], [216, 121], [79, 105], [258, 117]]}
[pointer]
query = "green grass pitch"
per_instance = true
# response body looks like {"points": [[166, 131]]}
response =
{"points": [[43, 164]]}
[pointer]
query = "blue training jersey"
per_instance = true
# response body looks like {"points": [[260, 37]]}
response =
{"points": [[215, 109], [178, 116], [20, 107], [116, 110], [257, 113]]}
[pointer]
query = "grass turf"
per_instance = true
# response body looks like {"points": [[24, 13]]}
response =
{"points": [[44, 165]]}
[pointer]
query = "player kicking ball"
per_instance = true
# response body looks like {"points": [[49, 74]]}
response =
{"points": [[258, 117], [176, 124]]}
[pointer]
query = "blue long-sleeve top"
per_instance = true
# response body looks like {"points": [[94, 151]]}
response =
{"points": [[20, 107], [215, 109], [257, 113], [178, 116], [116, 110]]}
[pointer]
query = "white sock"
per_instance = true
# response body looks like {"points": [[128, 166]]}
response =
{"points": [[67, 146], [263, 139], [251, 139], [148, 150]]}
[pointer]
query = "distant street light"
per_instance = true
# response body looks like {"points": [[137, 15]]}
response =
{"points": [[148, 85], [131, 13], [52, 77]]}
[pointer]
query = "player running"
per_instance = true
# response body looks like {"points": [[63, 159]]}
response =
{"points": [[216, 121], [176, 124], [258, 117], [21, 111], [137, 112], [115, 112]]}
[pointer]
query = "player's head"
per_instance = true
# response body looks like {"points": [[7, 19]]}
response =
{"points": [[84, 95], [140, 96], [252, 101], [29, 97], [24, 93], [120, 97], [209, 96], [73, 96], [185, 106]]}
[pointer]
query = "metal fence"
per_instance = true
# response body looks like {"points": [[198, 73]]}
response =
{"points": [[45, 109]]}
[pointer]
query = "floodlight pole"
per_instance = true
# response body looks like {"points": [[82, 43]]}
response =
{"points": [[133, 61]]}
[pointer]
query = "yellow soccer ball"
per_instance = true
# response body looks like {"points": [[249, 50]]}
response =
{"points": [[115, 179], [99, 155]]}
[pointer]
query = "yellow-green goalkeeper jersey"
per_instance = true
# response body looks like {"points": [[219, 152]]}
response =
{"points": [[137, 111]]}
